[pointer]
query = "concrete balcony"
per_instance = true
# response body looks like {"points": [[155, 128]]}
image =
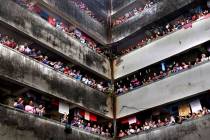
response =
{"points": [[156, 12], [72, 13], [178, 86], [18, 125], [41, 31], [190, 130], [99, 9], [31, 73], [169, 45], [120, 5], [101, 2]]}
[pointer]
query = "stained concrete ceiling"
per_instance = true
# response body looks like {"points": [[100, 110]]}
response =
{"points": [[109, 10], [113, 9]]}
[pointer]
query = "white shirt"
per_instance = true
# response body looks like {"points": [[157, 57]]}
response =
{"points": [[89, 82], [86, 82], [146, 127], [99, 86], [27, 50], [204, 59], [132, 131], [21, 48], [84, 79]]}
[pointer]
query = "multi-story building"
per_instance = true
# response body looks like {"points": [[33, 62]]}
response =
{"points": [[104, 69]]}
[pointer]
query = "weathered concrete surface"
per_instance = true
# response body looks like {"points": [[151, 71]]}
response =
{"points": [[75, 15], [102, 3], [163, 48], [181, 85], [98, 9], [125, 6], [191, 130], [38, 29], [150, 15], [26, 71], [117, 5], [17, 125]]}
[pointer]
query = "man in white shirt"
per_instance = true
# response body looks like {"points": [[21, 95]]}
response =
{"points": [[204, 58], [21, 48], [100, 87], [27, 50]]}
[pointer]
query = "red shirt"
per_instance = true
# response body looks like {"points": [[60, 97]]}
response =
{"points": [[10, 44], [66, 71]]}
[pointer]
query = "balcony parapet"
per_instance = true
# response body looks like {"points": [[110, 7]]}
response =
{"points": [[40, 30], [76, 16], [24, 70], [188, 130], [156, 12], [16, 124], [169, 46], [119, 5], [181, 85]]}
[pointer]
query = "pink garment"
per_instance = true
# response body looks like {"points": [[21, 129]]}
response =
{"points": [[29, 109]]}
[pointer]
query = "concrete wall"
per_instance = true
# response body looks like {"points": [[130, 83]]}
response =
{"points": [[17, 125], [119, 4], [156, 12], [102, 3], [73, 13], [163, 48], [38, 29], [31, 73], [97, 8], [126, 8], [192, 130], [173, 88]]}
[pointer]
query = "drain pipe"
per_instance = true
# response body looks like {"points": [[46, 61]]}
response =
{"points": [[109, 40]]}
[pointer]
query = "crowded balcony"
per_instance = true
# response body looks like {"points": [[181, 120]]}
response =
{"points": [[160, 30], [180, 77], [119, 5], [64, 26], [173, 118], [53, 39], [170, 45], [152, 13], [93, 9], [37, 52], [163, 69], [37, 127], [41, 105], [84, 19], [136, 9], [53, 80]]}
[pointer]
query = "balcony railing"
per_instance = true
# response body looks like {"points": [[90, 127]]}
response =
{"points": [[72, 13], [190, 129], [40, 127], [38, 29], [136, 23], [169, 45], [178, 86], [27, 71]]}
